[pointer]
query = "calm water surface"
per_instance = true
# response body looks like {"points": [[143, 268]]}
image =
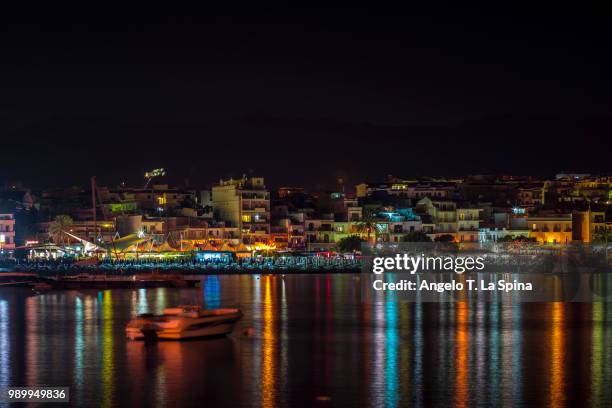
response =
{"points": [[313, 343]]}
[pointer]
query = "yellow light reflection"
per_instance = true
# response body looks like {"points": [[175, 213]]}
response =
{"points": [[557, 374], [268, 367], [597, 349], [461, 371], [107, 351]]}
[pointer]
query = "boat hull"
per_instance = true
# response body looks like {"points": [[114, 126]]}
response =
{"points": [[213, 326]]}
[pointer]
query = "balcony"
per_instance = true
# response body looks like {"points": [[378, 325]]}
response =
{"points": [[254, 196], [465, 228]]}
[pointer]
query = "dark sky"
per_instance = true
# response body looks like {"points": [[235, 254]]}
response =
{"points": [[302, 96]]}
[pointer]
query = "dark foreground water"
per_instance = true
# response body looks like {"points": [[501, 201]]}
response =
{"points": [[313, 343]]}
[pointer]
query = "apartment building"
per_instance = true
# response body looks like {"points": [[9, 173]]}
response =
{"points": [[245, 204], [7, 233]]}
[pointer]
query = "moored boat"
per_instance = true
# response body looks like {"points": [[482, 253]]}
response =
{"points": [[93, 281], [183, 322]]}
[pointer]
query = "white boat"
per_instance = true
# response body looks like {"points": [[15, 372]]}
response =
{"points": [[183, 322]]}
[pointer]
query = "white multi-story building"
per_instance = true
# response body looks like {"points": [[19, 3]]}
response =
{"points": [[244, 203], [453, 218]]}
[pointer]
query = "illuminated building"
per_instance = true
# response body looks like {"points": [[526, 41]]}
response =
{"points": [[329, 234], [318, 231], [398, 223], [551, 229], [244, 203], [468, 224], [7, 234], [589, 225], [578, 226], [443, 213], [505, 223], [456, 218], [391, 226]]}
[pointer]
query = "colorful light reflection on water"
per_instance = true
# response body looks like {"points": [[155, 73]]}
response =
{"points": [[311, 341]]}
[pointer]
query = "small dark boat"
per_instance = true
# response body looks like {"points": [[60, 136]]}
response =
{"points": [[87, 281]]}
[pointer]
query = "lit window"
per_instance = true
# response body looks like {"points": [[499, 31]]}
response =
{"points": [[246, 218]]}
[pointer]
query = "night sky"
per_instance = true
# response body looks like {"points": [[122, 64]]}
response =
{"points": [[302, 96]]}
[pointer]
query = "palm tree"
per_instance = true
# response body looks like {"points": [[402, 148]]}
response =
{"points": [[58, 226], [369, 225]]}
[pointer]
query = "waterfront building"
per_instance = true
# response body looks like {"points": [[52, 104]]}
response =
{"points": [[395, 223], [443, 214], [494, 234], [391, 226], [327, 238], [318, 230], [504, 223], [459, 219], [468, 223], [245, 204], [7, 234], [552, 228], [204, 234], [589, 225]]}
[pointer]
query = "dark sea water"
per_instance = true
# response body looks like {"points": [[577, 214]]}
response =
{"points": [[313, 342]]}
